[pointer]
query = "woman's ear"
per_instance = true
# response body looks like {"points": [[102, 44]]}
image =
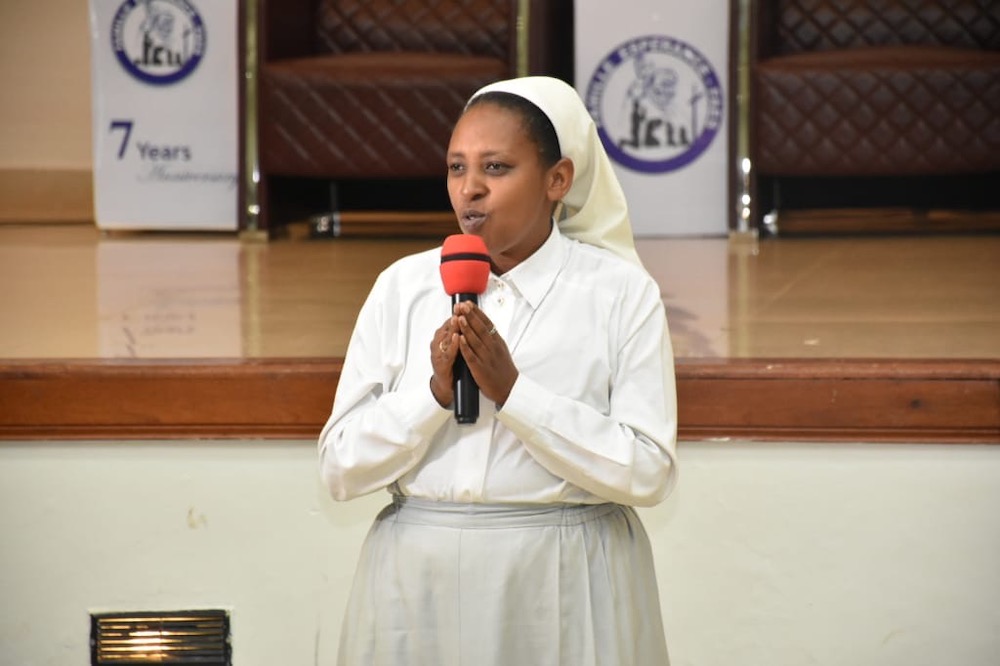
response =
{"points": [[560, 179]]}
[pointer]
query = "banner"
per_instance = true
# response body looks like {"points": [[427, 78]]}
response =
{"points": [[653, 74], [165, 123]]}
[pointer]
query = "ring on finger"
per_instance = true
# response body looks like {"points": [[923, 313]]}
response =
{"points": [[444, 350], [493, 331]]}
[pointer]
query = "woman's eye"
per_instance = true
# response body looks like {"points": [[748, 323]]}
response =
{"points": [[496, 167], [455, 167]]}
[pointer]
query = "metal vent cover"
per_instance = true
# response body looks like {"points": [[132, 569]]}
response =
{"points": [[160, 637]]}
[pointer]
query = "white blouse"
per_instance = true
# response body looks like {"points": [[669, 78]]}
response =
{"points": [[591, 418]]}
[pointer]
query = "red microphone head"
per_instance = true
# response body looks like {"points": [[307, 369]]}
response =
{"points": [[465, 264]]}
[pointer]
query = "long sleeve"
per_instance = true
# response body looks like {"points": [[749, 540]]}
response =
{"points": [[626, 453], [380, 427]]}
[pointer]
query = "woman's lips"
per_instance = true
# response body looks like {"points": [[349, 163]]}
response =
{"points": [[472, 219]]}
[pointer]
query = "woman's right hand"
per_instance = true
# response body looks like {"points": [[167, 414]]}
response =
{"points": [[444, 348]]}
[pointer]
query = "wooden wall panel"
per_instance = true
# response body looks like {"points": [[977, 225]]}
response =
{"points": [[240, 399], [787, 400], [46, 195], [913, 401]]}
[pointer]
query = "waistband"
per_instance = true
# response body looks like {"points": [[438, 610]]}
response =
{"points": [[420, 511]]}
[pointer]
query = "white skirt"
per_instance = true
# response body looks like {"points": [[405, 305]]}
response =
{"points": [[442, 584]]}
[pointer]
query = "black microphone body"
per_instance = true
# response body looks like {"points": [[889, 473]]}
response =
{"points": [[466, 390]]}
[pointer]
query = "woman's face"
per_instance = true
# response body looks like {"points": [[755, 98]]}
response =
{"points": [[498, 186]]}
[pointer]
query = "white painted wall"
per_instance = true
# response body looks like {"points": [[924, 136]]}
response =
{"points": [[767, 554]]}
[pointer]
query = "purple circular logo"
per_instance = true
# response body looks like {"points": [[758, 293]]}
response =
{"points": [[158, 41], [657, 103]]}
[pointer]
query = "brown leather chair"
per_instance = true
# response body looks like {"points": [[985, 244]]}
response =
{"points": [[356, 91], [873, 102]]}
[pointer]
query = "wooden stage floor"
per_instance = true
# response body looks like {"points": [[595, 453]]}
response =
{"points": [[201, 335]]}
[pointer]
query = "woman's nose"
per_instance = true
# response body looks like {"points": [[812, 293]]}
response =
{"points": [[473, 184]]}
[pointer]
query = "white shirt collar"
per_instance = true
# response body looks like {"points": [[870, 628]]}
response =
{"points": [[534, 276]]}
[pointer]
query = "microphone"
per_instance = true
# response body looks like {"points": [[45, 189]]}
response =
{"points": [[465, 269]]}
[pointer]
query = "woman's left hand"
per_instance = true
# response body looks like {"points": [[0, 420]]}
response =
{"points": [[485, 352]]}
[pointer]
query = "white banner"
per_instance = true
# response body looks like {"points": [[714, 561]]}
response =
{"points": [[165, 113], [654, 75]]}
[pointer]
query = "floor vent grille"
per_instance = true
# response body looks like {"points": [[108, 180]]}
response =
{"points": [[173, 637]]}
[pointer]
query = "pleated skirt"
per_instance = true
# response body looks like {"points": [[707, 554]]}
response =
{"points": [[442, 584]]}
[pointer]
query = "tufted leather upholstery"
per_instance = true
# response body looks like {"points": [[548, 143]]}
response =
{"points": [[468, 28], [887, 111], [847, 88], [366, 115], [808, 26], [357, 89]]}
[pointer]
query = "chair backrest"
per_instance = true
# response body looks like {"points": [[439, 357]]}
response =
{"points": [[471, 27], [795, 26]]}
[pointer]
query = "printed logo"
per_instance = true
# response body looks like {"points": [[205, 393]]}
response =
{"points": [[657, 104], [158, 41]]}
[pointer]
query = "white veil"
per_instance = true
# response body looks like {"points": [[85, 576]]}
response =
{"points": [[594, 210]]}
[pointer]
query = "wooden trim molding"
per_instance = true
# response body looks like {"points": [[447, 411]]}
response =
{"points": [[169, 399], [835, 400], [46, 196], [778, 400]]}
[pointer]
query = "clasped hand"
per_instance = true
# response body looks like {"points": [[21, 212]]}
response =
{"points": [[471, 333]]}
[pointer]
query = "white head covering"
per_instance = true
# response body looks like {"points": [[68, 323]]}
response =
{"points": [[594, 209]]}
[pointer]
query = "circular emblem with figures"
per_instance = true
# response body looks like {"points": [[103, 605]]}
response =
{"points": [[657, 103], [158, 41]]}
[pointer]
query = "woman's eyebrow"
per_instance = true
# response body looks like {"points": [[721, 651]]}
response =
{"points": [[485, 155]]}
